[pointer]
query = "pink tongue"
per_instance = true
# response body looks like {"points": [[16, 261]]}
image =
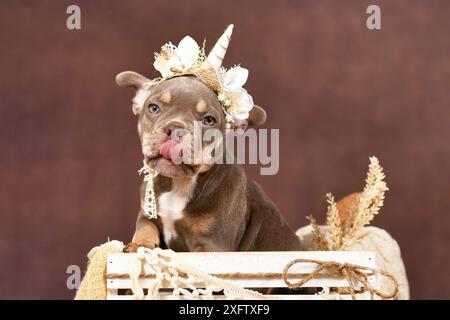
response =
{"points": [[166, 149]]}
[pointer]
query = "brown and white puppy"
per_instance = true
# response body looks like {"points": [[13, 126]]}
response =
{"points": [[200, 207]]}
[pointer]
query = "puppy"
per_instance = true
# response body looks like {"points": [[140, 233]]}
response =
{"points": [[200, 206], [205, 207]]}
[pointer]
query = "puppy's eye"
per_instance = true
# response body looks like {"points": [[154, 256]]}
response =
{"points": [[153, 108], [208, 120]]}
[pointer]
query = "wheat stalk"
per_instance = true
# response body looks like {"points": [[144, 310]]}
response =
{"points": [[319, 239], [369, 203], [334, 223], [361, 214]]}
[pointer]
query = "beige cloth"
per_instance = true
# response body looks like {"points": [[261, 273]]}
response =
{"points": [[387, 251], [93, 286]]}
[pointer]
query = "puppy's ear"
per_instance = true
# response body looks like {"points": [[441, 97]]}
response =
{"points": [[140, 83], [256, 117]]}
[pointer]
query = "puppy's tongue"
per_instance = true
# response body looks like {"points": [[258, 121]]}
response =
{"points": [[166, 149]]}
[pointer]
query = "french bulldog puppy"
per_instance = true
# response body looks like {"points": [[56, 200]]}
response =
{"points": [[201, 207]]}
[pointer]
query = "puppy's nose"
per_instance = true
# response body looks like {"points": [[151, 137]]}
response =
{"points": [[169, 130], [175, 130]]}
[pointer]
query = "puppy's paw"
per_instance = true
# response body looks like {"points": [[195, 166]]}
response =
{"points": [[133, 246]]}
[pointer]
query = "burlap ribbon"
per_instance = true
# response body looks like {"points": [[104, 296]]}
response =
{"points": [[348, 271]]}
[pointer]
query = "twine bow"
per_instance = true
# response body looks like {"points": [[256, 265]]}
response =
{"points": [[347, 270]]}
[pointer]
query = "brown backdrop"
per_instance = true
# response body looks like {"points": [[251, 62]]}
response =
{"points": [[339, 93]]}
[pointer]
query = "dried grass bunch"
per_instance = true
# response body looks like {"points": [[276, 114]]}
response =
{"points": [[343, 232]]}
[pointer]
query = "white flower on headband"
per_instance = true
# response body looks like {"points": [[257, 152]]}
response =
{"points": [[233, 82], [243, 106], [189, 58], [177, 60], [235, 78]]}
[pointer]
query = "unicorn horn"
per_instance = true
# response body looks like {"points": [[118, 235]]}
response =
{"points": [[217, 53]]}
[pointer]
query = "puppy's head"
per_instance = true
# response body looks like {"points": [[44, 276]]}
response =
{"points": [[170, 111]]}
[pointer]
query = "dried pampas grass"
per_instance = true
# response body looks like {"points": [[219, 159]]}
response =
{"points": [[343, 233]]}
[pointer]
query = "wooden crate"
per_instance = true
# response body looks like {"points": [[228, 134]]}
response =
{"points": [[254, 263]]}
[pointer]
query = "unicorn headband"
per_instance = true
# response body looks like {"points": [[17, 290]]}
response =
{"points": [[189, 59]]}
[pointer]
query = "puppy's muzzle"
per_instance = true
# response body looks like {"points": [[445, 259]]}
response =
{"points": [[172, 148]]}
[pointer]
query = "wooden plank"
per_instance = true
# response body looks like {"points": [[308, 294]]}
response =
{"points": [[247, 262], [222, 297], [125, 283]]}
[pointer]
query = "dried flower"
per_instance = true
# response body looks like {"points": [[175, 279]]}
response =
{"points": [[369, 203], [319, 239], [334, 223]]}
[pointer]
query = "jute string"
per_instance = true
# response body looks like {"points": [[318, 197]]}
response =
{"points": [[346, 270]]}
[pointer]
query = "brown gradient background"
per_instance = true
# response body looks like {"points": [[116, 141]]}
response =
{"points": [[339, 93]]}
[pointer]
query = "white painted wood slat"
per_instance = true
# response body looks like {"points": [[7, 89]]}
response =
{"points": [[254, 263]]}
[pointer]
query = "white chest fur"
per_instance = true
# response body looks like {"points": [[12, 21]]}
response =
{"points": [[172, 205]]}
